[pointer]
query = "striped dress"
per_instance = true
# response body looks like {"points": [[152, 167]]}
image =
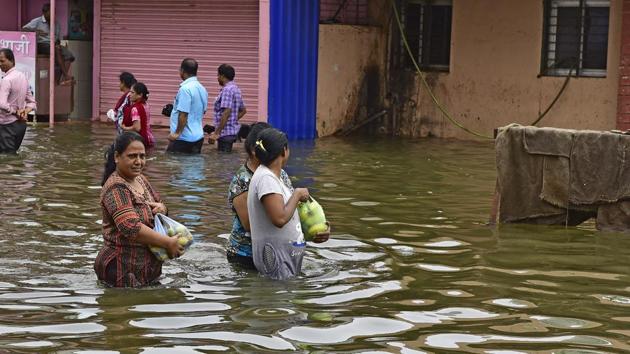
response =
{"points": [[122, 261]]}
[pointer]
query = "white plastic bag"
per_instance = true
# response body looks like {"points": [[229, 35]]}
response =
{"points": [[169, 227], [111, 115]]}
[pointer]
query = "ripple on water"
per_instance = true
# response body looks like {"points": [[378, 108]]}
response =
{"points": [[445, 315], [182, 307], [437, 268], [405, 349], [365, 203], [339, 243], [371, 218], [404, 250], [512, 303], [429, 226], [179, 349], [83, 313], [61, 205], [65, 233], [30, 295], [271, 342], [455, 293], [565, 322], [336, 199], [613, 300], [20, 307], [358, 327], [86, 300], [175, 322], [350, 256], [71, 328], [27, 223], [444, 244], [344, 275], [373, 289], [461, 340], [385, 241], [33, 344]]}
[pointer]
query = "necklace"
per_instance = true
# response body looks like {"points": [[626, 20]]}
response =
{"points": [[140, 192]]}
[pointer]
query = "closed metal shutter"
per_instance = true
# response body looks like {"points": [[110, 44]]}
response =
{"points": [[149, 38]]}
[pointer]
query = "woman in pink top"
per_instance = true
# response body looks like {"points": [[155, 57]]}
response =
{"points": [[137, 117]]}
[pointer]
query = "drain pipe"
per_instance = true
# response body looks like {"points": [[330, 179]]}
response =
{"points": [[51, 70]]}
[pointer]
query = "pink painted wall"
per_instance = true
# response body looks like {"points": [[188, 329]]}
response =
{"points": [[8, 15]]}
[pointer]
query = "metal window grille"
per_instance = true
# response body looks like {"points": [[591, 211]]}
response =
{"points": [[575, 37], [348, 12], [428, 30]]}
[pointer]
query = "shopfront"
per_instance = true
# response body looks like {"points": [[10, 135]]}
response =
{"points": [[149, 38]]}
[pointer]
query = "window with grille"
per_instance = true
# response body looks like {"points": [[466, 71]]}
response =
{"points": [[346, 12], [575, 37], [428, 31]]}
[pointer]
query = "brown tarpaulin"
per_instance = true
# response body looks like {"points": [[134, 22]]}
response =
{"points": [[562, 176]]}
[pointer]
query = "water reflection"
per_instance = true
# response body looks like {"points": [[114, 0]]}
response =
{"points": [[410, 268]]}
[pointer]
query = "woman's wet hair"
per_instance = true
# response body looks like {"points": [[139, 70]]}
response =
{"points": [[127, 79], [119, 146], [254, 131], [141, 89], [269, 145]]}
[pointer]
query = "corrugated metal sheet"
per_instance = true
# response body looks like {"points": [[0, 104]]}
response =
{"points": [[293, 66], [149, 38]]}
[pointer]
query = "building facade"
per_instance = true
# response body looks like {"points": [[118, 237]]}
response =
{"points": [[320, 67]]}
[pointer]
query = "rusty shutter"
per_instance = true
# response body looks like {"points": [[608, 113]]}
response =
{"points": [[149, 38]]}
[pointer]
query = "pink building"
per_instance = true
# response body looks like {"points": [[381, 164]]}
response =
{"points": [[149, 38]]}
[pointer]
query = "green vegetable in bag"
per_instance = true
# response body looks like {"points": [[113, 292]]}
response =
{"points": [[312, 218]]}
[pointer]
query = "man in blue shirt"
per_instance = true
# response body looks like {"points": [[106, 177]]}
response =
{"points": [[189, 107]]}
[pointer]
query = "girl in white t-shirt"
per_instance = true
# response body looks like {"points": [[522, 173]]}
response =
{"points": [[277, 240]]}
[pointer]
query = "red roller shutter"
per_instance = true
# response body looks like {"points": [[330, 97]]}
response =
{"points": [[149, 38]]}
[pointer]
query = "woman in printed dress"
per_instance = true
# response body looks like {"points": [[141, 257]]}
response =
{"points": [[129, 203]]}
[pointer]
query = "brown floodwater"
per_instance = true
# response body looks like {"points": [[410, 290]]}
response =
{"points": [[411, 266]]}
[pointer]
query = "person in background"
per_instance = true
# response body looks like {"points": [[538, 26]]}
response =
{"points": [[277, 240], [129, 203], [64, 57], [16, 102], [117, 114], [228, 110], [138, 117], [189, 107]]}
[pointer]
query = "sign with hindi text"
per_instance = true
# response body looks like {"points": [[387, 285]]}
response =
{"points": [[24, 47]]}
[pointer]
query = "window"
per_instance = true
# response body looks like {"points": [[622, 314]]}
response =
{"points": [[428, 29], [575, 37], [346, 12]]}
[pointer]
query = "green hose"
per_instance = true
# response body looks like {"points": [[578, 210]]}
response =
{"points": [[437, 103]]}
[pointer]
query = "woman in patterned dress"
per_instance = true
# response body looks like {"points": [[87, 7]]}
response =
{"points": [[129, 203]]}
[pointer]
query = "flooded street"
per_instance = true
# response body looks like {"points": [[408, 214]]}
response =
{"points": [[410, 267]]}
